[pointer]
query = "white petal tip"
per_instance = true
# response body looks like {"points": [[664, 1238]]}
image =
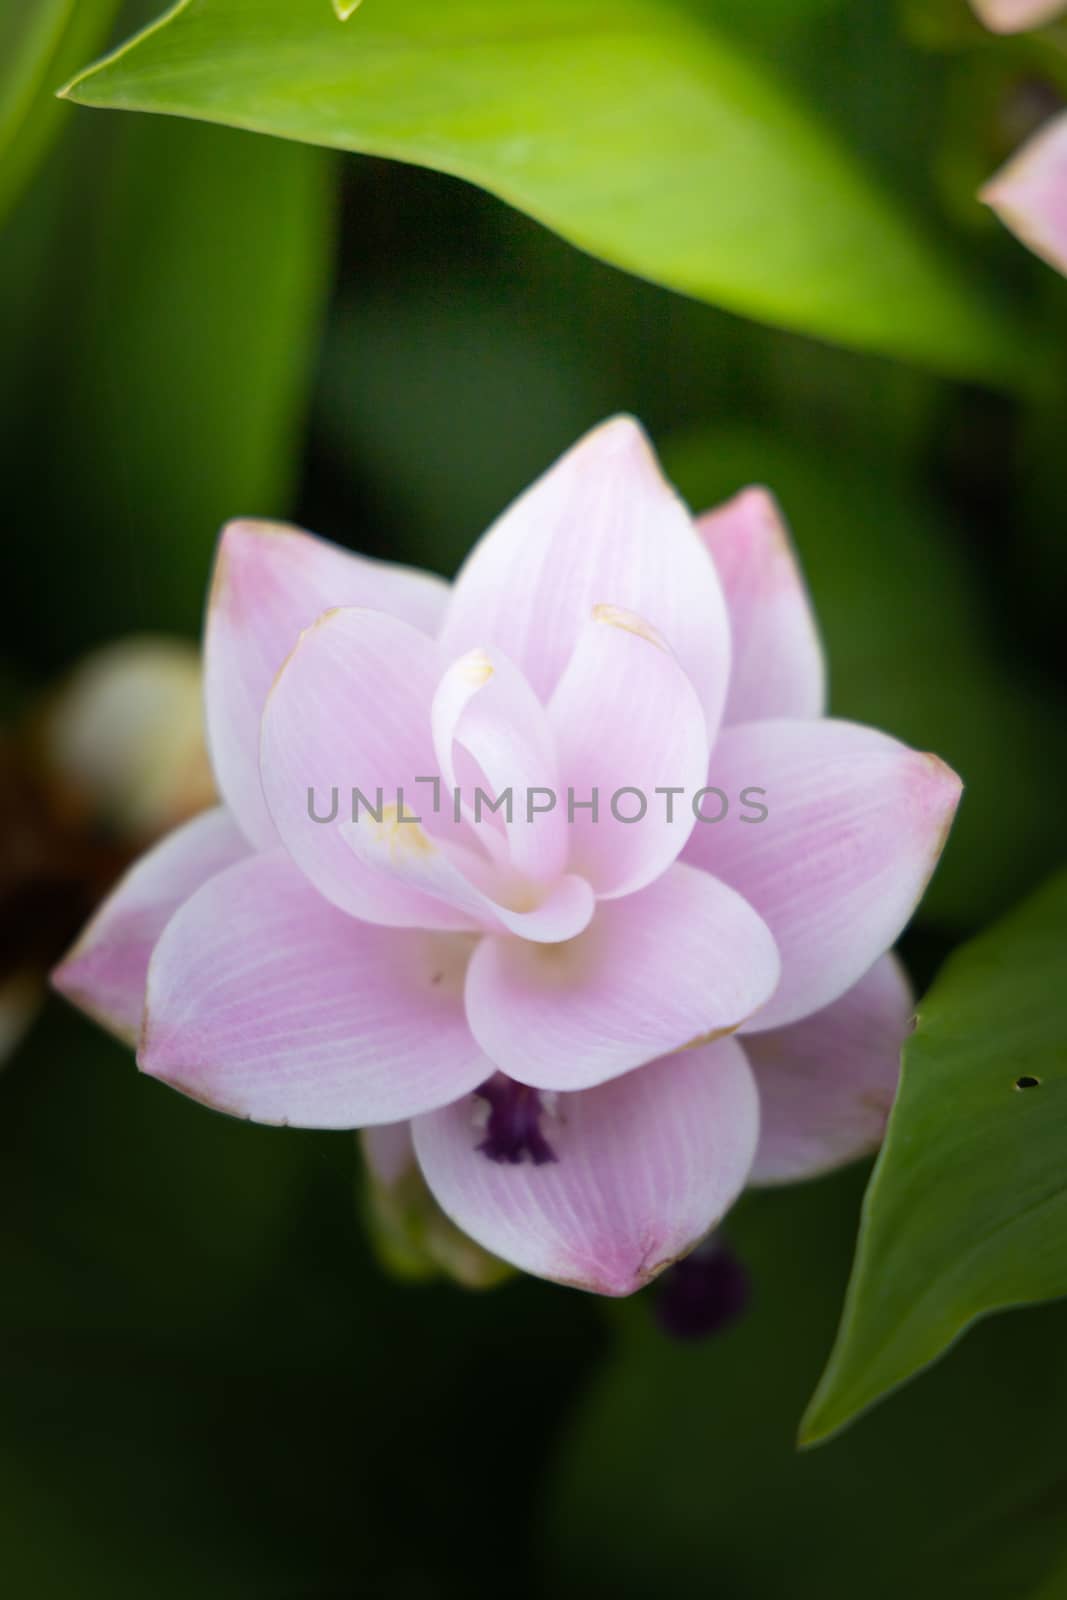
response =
{"points": [[76, 980], [937, 794], [618, 434], [241, 534], [762, 505], [945, 784], [1029, 194], [623, 439]]}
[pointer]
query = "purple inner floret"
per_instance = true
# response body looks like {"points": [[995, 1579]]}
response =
{"points": [[514, 1127]]}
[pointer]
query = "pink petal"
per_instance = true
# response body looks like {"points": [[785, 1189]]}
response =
{"points": [[351, 710], [105, 972], [777, 668], [855, 825], [565, 911], [1029, 195], [270, 582], [1016, 16], [659, 969], [627, 718], [826, 1084], [645, 1166], [485, 711], [267, 1002], [601, 527]]}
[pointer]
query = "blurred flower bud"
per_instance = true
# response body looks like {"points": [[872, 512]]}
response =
{"points": [[95, 772], [124, 737], [411, 1234], [1016, 16]]}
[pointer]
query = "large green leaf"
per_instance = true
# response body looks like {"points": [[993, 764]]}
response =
{"points": [[41, 43], [630, 126], [967, 1209]]}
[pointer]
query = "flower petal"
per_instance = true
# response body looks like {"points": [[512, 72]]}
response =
{"points": [[854, 825], [645, 1165], [827, 1084], [777, 667], [105, 973], [1016, 16], [684, 958], [627, 718], [403, 853], [350, 710], [601, 527], [267, 1002], [485, 710], [270, 582], [1029, 194]]}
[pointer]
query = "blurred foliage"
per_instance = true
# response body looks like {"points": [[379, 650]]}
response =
{"points": [[209, 1385], [640, 134], [681, 1473], [209, 1388], [160, 292], [967, 1209], [40, 45]]}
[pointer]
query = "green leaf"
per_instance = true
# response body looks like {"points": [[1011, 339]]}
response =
{"points": [[41, 43], [160, 296], [629, 126], [680, 1475], [967, 1209]]}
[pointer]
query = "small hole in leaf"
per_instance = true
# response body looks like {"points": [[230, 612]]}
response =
{"points": [[1027, 1083]]}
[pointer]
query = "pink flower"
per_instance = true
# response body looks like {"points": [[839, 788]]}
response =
{"points": [[599, 1031], [1029, 194], [1016, 16]]}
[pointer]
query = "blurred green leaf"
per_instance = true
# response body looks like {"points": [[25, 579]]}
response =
{"points": [[967, 1209], [207, 1386], [913, 648], [680, 1474], [41, 43], [417, 398], [160, 298], [632, 128], [215, 1197]]}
